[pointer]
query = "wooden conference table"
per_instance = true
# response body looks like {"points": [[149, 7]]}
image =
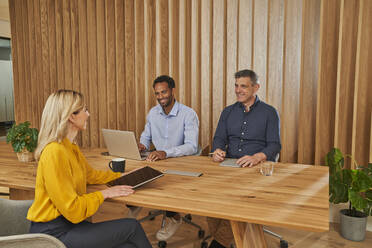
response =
{"points": [[295, 196]]}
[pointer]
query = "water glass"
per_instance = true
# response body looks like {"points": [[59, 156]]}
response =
{"points": [[267, 168]]}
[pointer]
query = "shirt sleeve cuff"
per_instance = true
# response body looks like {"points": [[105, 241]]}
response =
{"points": [[100, 197], [169, 153]]}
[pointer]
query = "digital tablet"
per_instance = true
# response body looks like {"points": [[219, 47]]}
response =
{"points": [[230, 162], [137, 178]]}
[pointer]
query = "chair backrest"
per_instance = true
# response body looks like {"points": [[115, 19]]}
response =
{"points": [[202, 151], [13, 217], [277, 157]]}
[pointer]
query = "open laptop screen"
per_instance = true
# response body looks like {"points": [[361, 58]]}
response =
{"points": [[137, 178]]}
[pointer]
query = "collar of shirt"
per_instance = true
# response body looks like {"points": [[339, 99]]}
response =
{"points": [[256, 101], [67, 143], [173, 112]]}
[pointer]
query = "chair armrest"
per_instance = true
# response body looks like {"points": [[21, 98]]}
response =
{"points": [[205, 150], [33, 240]]}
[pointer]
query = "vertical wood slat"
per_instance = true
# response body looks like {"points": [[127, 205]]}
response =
{"points": [[363, 87], [231, 49], [150, 53], [174, 44], [325, 119], [101, 69], [162, 32], [274, 79], [260, 44], [110, 64], [92, 71], [121, 62], [75, 45], [26, 72], [66, 30], [130, 83], [31, 54], [181, 52], [291, 79], [206, 72], [184, 54], [60, 80], [139, 70], [346, 74], [44, 87], [53, 75], [195, 56], [219, 53], [245, 24], [39, 64], [309, 79]]}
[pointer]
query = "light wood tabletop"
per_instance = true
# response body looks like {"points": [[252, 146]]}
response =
{"points": [[295, 196]]}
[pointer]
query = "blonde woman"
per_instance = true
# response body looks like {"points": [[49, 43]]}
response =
{"points": [[61, 202]]}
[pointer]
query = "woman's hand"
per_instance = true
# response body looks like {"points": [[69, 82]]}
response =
{"points": [[117, 191]]}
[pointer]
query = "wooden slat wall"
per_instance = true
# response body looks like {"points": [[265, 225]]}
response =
{"points": [[346, 74], [363, 86], [311, 57]]}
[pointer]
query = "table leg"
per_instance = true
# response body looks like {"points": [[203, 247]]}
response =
{"points": [[248, 235], [21, 194]]}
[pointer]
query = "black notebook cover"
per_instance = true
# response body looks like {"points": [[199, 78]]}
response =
{"points": [[137, 178]]}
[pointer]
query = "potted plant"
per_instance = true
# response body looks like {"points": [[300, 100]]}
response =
{"points": [[353, 186], [23, 140]]}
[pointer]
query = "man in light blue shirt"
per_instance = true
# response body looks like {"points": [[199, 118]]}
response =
{"points": [[173, 128]]}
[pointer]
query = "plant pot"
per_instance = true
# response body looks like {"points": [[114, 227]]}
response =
{"points": [[353, 228], [25, 156]]}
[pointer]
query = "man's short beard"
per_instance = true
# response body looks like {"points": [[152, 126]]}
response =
{"points": [[168, 103]]}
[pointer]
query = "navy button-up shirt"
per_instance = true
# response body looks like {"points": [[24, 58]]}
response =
{"points": [[243, 133]]}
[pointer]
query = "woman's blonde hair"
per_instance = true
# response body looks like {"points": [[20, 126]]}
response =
{"points": [[54, 120]]}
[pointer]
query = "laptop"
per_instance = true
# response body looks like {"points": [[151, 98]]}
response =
{"points": [[122, 144], [137, 178], [230, 162]]}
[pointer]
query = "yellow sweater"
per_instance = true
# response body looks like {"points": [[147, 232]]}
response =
{"points": [[62, 176]]}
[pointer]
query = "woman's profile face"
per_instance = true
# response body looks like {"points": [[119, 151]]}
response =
{"points": [[80, 119]]}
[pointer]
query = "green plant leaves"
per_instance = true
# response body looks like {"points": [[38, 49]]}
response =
{"points": [[21, 136], [354, 185], [357, 201], [361, 182]]}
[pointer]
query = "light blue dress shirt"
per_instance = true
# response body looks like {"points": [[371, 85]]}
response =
{"points": [[175, 133]]}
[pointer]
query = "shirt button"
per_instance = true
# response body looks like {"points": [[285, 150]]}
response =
{"points": [[245, 122], [240, 150], [242, 133]]}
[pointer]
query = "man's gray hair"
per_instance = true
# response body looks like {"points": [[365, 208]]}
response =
{"points": [[247, 73]]}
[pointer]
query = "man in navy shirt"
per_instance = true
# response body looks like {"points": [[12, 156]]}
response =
{"points": [[248, 130]]}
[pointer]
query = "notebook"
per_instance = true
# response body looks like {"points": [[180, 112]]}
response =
{"points": [[230, 162], [122, 144], [137, 178]]}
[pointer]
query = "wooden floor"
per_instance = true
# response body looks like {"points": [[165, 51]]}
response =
{"points": [[187, 236]]}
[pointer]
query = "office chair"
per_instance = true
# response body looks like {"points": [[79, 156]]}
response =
{"points": [[283, 243], [14, 228], [187, 218]]}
